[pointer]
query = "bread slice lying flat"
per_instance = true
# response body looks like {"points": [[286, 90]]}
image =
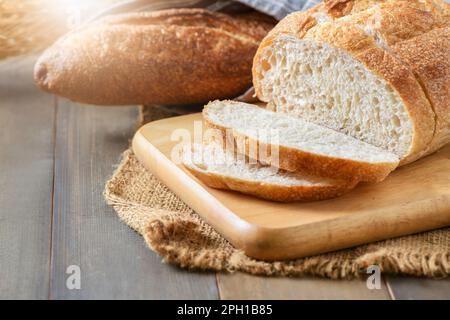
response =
{"points": [[225, 170], [298, 145]]}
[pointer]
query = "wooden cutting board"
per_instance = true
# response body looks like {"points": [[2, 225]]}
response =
{"points": [[414, 198]]}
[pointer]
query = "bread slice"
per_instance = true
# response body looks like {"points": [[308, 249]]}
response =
{"points": [[294, 144], [225, 170], [337, 65]]}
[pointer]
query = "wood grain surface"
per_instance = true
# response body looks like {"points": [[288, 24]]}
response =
{"points": [[26, 174], [409, 288], [114, 260], [414, 198], [244, 286]]}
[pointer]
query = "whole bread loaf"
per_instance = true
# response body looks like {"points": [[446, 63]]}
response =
{"points": [[378, 70], [178, 56]]}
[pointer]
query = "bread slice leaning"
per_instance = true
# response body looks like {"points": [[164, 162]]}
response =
{"points": [[225, 170], [294, 144]]}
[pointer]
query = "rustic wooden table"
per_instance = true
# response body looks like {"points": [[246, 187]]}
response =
{"points": [[55, 158]]}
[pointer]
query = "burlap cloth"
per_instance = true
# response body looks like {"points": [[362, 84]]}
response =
{"points": [[181, 237]]}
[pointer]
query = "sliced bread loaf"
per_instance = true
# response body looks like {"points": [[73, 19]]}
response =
{"points": [[218, 169], [359, 67], [298, 145]]}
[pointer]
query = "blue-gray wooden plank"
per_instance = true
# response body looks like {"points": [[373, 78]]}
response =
{"points": [[113, 260], [26, 182], [409, 288]]}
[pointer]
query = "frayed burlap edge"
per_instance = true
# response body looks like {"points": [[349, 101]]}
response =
{"points": [[181, 237]]}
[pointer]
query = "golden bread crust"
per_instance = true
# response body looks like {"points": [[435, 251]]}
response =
{"points": [[428, 55], [177, 56]]}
